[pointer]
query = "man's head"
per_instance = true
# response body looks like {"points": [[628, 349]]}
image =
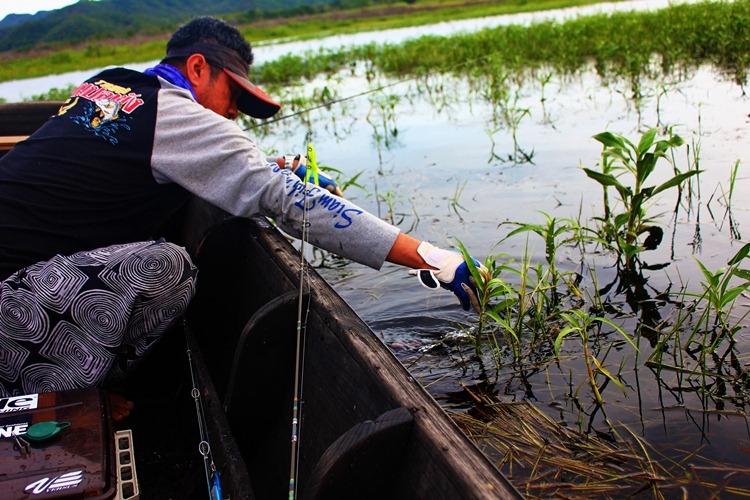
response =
{"points": [[228, 57]]}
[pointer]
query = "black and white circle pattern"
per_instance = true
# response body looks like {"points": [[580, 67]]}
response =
{"points": [[75, 321]]}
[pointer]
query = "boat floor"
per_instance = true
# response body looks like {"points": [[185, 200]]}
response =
{"points": [[164, 423]]}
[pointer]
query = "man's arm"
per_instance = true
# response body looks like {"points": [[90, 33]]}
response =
{"points": [[404, 252]]}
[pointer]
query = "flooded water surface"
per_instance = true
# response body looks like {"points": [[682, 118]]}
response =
{"points": [[435, 158]]}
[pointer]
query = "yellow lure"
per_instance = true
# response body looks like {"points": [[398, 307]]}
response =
{"points": [[312, 165]]}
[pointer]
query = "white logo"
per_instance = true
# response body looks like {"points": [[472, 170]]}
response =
{"points": [[10, 430], [57, 483], [19, 403]]}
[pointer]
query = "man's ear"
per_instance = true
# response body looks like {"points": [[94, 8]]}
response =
{"points": [[196, 69]]}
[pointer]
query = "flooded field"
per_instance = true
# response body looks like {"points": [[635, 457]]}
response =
{"points": [[440, 161]]}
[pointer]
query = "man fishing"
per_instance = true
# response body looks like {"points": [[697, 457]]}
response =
{"points": [[88, 283]]}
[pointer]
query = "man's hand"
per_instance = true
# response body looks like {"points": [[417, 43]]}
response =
{"points": [[450, 273], [298, 165]]}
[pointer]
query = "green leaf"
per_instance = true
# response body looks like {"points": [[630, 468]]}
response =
{"points": [[560, 337], [609, 375], [603, 179], [470, 264], [610, 140], [741, 254], [646, 166], [618, 329], [675, 181], [647, 140], [742, 274], [622, 219], [732, 294]]}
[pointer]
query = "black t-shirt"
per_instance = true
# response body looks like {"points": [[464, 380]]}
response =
{"points": [[84, 179]]}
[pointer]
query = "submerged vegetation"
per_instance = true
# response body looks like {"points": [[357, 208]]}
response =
{"points": [[547, 460]]}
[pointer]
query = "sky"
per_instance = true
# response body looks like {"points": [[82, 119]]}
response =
{"points": [[30, 6]]}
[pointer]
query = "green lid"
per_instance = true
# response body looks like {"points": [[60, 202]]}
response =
{"points": [[41, 431]]}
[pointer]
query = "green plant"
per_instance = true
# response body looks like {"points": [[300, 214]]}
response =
{"points": [[579, 323], [454, 203], [721, 292], [507, 113], [555, 232], [620, 156], [490, 285], [519, 311]]}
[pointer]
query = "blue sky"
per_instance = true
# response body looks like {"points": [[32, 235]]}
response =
{"points": [[30, 7]]}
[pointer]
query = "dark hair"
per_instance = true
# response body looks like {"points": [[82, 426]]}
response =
{"points": [[211, 30]]}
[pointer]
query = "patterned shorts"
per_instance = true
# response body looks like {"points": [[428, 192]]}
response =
{"points": [[74, 321]]}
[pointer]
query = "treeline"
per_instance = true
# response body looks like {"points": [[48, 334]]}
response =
{"points": [[90, 20]]}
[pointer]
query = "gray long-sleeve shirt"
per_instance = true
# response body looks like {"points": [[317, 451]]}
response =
{"points": [[117, 159]]}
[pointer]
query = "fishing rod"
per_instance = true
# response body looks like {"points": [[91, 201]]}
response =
{"points": [[213, 483], [311, 175]]}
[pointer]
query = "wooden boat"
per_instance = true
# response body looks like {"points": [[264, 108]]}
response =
{"points": [[367, 428]]}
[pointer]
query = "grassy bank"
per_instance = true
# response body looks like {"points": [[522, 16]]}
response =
{"points": [[621, 44], [115, 52]]}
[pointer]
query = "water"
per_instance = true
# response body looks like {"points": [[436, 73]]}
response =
{"points": [[435, 164], [443, 147]]}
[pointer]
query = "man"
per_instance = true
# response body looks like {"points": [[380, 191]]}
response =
{"points": [[87, 288]]}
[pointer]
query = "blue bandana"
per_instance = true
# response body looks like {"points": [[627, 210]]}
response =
{"points": [[172, 75]]}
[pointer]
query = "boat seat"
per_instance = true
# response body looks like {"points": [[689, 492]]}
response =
{"points": [[250, 333], [370, 453]]}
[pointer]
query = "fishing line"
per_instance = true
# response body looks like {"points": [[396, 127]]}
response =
{"points": [[366, 92], [329, 103]]}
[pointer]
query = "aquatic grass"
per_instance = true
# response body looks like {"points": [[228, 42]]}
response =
{"points": [[720, 292], [520, 302], [555, 232], [579, 323], [629, 45], [382, 118], [104, 52], [621, 157], [455, 204], [725, 198], [491, 285], [507, 114]]}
